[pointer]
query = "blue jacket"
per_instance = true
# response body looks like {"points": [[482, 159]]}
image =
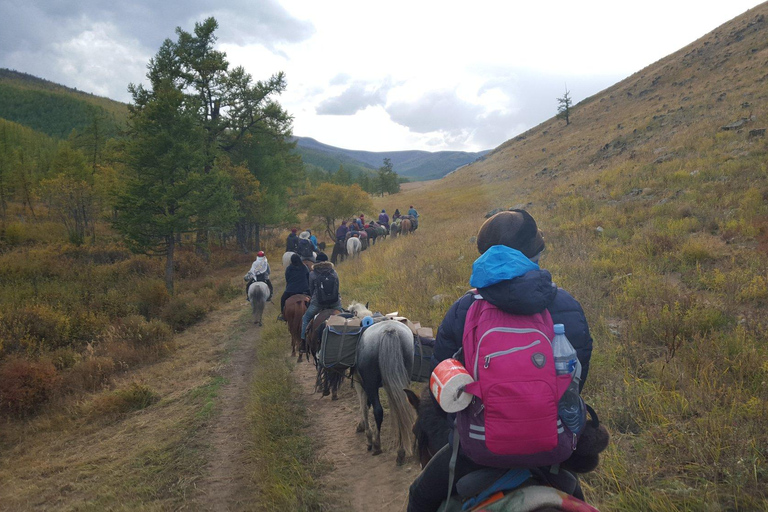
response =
{"points": [[511, 282], [297, 279], [313, 239]]}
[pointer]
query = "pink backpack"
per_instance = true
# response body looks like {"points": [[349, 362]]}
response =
{"points": [[512, 420]]}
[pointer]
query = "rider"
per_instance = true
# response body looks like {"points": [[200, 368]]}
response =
{"points": [[313, 239], [292, 242], [415, 215], [259, 272], [296, 281], [341, 232], [396, 215], [501, 283], [305, 249], [322, 271], [384, 219]]}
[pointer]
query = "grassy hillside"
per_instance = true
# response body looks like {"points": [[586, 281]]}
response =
{"points": [[331, 162], [656, 219], [54, 109]]}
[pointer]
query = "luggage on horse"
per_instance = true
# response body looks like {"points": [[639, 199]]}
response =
{"points": [[423, 348], [338, 348]]}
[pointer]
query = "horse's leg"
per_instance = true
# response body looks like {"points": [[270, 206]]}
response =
{"points": [[378, 415], [337, 379], [362, 426]]}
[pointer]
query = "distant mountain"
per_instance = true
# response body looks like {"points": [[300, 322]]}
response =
{"points": [[54, 109], [416, 165]]}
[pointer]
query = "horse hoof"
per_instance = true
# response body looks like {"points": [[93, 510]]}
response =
{"points": [[335, 397], [377, 451], [326, 392], [370, 447], [361, 428], [400, 460]]}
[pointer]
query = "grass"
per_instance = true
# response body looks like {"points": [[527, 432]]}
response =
{"points": [[287, 466]]}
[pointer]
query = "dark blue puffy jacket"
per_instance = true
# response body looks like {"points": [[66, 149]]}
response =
{"points": [[297, 279], [527, 293]]}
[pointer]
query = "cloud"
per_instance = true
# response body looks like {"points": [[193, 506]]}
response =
{"points": [[435, 111], [356, 97], [39, 36]]}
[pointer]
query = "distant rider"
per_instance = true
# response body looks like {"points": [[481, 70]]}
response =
{"points": [[292, 242], [259, 272]]}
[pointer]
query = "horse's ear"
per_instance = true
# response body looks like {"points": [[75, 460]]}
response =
{"points": [[366, 305], [413, 399]]}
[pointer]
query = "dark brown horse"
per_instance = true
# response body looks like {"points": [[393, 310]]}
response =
{"points": [[339, 251], [295, 307], [406, 226], [327, 380]]}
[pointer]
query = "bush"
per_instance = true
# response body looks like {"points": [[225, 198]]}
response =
{"points": [[14, 234], [152, 295], [34, 328], [133, 398], [181, 312], [26, 385], [137, 330], [90, 374]]}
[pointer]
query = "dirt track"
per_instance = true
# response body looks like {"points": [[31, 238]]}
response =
{"points": [[360, 480]]}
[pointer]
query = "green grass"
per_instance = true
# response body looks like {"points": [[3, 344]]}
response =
{"points": [[286, 460]]}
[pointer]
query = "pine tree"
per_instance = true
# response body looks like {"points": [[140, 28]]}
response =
{"points": [[564, 107]]}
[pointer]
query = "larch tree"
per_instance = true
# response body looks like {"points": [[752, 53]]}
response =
{"points": [[564, 107]]}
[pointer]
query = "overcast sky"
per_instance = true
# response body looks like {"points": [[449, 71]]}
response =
{"points": [[377, 76]]}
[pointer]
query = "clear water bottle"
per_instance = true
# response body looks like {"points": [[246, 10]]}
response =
{"points": [[570, 407]]}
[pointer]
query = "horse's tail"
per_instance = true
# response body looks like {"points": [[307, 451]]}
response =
{"points": [[395, 376]]}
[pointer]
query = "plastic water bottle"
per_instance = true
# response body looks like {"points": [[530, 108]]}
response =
{"points": [[566, 362]]}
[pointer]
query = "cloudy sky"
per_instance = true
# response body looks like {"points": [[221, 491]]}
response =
{"points": [[377, 76]]}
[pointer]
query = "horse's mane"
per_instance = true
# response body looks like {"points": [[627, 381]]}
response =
{"points": [[359, 310]]}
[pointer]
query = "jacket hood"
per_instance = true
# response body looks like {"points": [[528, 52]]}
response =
{"points": [[323, 266], [512, 282]]}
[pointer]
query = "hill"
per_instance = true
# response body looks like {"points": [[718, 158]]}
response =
{"points": [[54, 109], [654, 207], [417, 165]]}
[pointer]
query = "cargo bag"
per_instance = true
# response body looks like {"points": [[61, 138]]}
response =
{"points": [[338, 348], [423, 348]]}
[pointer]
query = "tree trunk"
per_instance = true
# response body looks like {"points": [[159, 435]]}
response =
{"points": [[256, 238], [201, 248], [170, 240]]}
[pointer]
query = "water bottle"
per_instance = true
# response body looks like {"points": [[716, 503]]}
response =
{"points": [[566, 362]]}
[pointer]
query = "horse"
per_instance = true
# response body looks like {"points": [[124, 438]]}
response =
{"points": [[383, 231], [385, 358], [308, 263], [339, 251], [431, 432], [354, 246], [258, 293], [327, 380], [394, 229], [406, 226], [287, 258], [295, 307], [373, 233]]}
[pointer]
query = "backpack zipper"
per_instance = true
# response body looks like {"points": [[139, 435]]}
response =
{"points": [[515, 330], [505, 352]]}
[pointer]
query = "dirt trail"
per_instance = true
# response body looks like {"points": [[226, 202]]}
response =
{"points": [[358, 479]]}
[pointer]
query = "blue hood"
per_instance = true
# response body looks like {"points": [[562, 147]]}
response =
{"points": [[499, 263]]}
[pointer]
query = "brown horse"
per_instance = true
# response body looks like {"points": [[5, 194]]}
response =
{"points": [[406, 226], [295, 307], [327, 380]]}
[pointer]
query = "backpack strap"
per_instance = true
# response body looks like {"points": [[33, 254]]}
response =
{"points": [[452, 464]]}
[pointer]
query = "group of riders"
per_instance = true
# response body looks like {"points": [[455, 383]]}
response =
{"points": [[506, 279], [366, 230]]}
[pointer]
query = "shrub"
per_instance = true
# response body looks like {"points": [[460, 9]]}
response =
{"points": [[26, 385], [133, 398], [181, 312], [34, 328], [14, 234], [188, 264], [135, 329], [152, 295], [90, 374]]}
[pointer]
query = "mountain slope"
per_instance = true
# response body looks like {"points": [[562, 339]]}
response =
{"points": [[417, 165], [54, 109], [654, 208]]}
